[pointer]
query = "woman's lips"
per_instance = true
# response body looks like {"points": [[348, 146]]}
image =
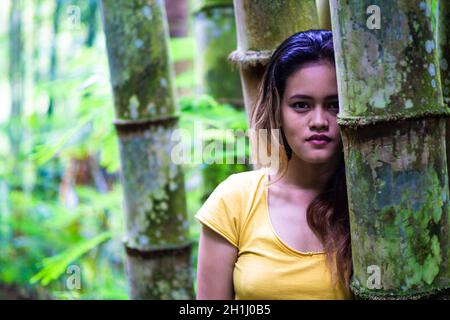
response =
{"points": [[318, 142]]}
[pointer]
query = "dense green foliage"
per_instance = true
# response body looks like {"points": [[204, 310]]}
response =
{"points": [[64, 209]]}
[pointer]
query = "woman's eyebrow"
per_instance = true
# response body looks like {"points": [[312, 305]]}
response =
{"points": [[304, 96]]}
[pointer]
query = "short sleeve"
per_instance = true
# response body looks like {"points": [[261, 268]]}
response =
{"points": [[222, 210]]}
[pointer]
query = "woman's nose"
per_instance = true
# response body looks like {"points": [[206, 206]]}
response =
{"points": [[318, 118]]}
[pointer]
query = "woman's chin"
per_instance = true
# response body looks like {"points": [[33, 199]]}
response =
{"points": [[318, 160], [317, 157]]}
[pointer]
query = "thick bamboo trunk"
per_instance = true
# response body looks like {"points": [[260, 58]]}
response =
{"points": [[157, 244], [215, 32], [262, 25], [393, 129]]}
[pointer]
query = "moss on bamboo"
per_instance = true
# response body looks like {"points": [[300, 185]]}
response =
{"points": [[166, 278], [141, 74], [404, 227], [152, 185], [157, 228], [382, 69], [249, 59], [263, 24]]}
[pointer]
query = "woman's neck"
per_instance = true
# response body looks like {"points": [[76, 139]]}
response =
{"points": [[303, 175]]}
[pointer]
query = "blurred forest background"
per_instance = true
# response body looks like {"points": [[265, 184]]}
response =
{"points": [[60, 189]]}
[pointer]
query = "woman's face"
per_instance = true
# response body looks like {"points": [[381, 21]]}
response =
{"points": [[309, 107]]}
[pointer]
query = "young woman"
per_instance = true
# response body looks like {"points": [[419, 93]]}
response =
{"points": [[284, 234]]}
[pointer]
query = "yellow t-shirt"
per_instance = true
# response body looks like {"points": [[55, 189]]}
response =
{"points": [[266, 267]]}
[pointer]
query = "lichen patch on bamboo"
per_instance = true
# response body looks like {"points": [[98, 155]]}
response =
{"points": [[383, 68], [157, 240], [139, 59], [259, 28], [404, 225]]}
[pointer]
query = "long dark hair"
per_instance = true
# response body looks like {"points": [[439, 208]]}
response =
{"points": [[327, 214]]}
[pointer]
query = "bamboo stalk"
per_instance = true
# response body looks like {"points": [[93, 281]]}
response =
{"points": [[261, 26], [393, 129], [157, 229]]}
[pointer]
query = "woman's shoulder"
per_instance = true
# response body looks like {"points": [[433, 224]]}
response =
{"points": [[227, 206], [248, 176], [237, 187], [244, 180]]}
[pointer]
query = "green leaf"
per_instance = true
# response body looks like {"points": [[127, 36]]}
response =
{"points": [[55, 266], [44, 152]]}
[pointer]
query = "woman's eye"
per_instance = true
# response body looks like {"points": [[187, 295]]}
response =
{"points": [[334, 105], [300, 105]]}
